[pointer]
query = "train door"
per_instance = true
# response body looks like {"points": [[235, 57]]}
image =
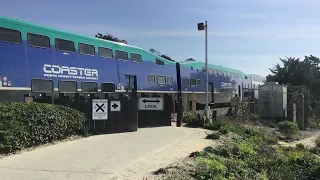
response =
{"points": [[131, 84]]}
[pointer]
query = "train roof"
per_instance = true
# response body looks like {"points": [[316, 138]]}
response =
{"points": [[199, 65], [257, 77], [78, 37]]}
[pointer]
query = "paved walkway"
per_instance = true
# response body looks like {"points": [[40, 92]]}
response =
{"points": [[96, 157]]}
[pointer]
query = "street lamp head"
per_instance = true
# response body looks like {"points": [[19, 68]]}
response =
{"points": [[201, 26]]}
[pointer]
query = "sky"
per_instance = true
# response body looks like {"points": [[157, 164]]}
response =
{"points": [[248, 35]]}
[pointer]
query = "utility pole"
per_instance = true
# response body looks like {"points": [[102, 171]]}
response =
{"points": [[204, 26]]}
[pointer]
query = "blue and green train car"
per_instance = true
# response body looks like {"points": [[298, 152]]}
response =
{"points": [[33, 52]]}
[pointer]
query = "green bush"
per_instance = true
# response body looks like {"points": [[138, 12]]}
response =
{"points": [[209, 168], [251, 159], [254, 117], [225, 125], [192, 121], [25, 125], [288, 128], [187, 117], [317, 141], [213, 136], [248, 154], [300, 145], [314, 123]]}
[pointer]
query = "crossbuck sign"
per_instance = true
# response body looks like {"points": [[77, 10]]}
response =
{"points": [[99, 109]]}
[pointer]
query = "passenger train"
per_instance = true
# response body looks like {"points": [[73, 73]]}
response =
{"points": [[52, 60]]}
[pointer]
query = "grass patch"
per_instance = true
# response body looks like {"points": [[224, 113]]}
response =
{"points": [[249, 154]]}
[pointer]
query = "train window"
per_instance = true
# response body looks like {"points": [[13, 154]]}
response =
{"points": [[151, 79], [136, 57], [64, 45], [193, 82], [86, 49], [198, 82], [161, 80], [108, 87], [89, 87], [191, 67], [215, 71], [10, 36], [224, 73], [67, 86], [41, 85], [37, 40], [170, 80], [187, 82], [231, 74], [121, 55], [159, 62], [220, 72], [105, 52]]}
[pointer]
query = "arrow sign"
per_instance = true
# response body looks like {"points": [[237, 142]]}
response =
{"points": [[115, 106], [151, 103], [157, 101]]}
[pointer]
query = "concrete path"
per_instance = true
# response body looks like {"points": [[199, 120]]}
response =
{"points": [[96, 157]]}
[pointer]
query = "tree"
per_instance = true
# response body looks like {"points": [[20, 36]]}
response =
{"points": [[161, 55], [296, 72], [299, 75], [167, 57], [110, 38], [190, 59]]}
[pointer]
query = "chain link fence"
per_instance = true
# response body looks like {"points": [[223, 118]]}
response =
{"points": [[273, 103]]}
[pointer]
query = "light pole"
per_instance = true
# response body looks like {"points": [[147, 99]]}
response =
{"points": [[204, 26]]}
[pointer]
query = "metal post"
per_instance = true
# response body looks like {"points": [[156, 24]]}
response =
{"points": [[242, 92], [302, 121], [273, 118], [207, 76], [201, 27]]}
